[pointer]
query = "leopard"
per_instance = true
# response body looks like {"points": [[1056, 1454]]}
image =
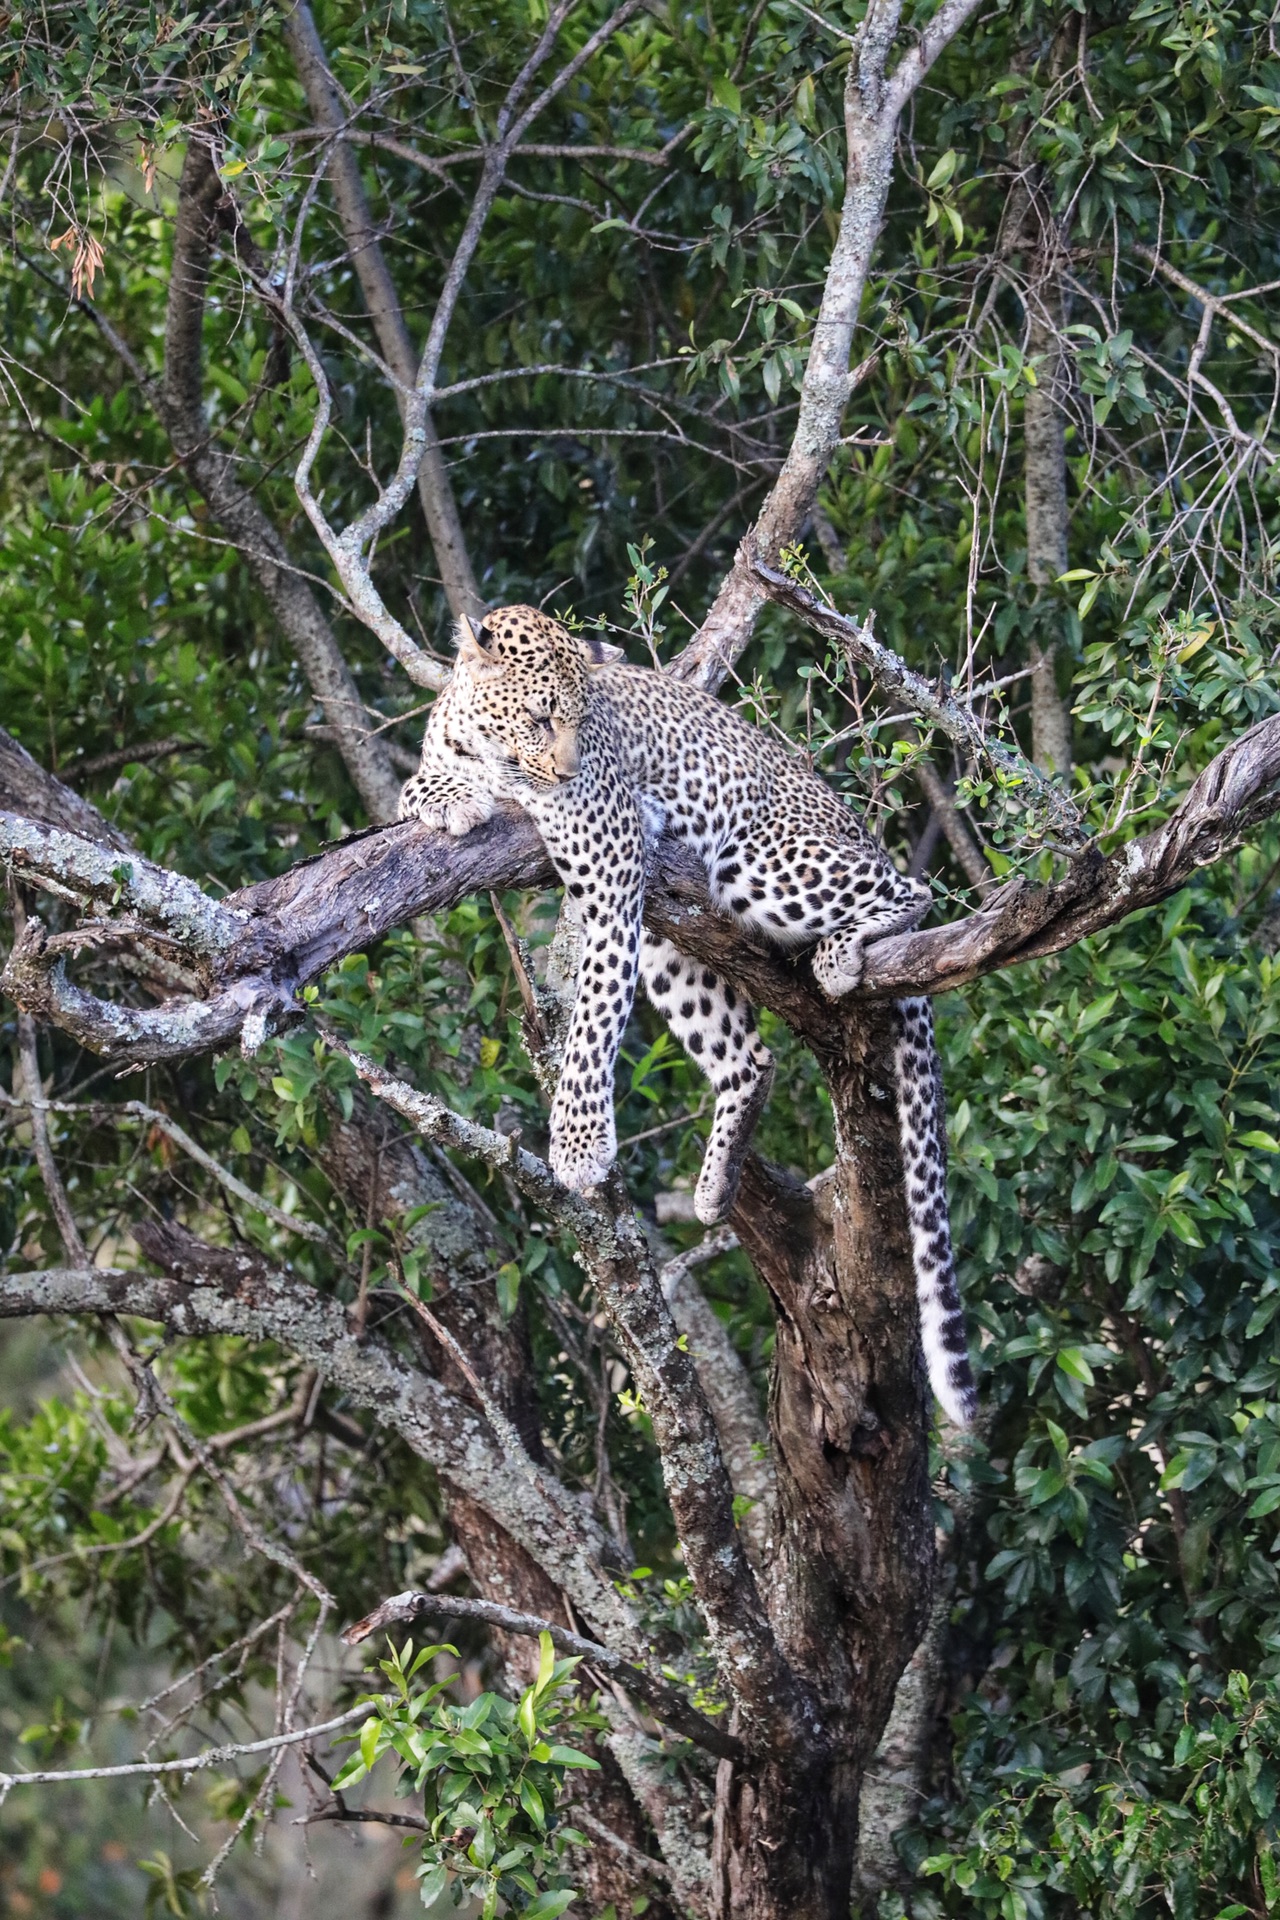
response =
{"points": [[605, 757]]}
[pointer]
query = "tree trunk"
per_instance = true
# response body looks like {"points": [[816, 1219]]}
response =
{"points": [[851, 1579]]}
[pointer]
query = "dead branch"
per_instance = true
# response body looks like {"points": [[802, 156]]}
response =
{"points": [[935, 707], [435, 489], [194, 1763], [179, 403]]}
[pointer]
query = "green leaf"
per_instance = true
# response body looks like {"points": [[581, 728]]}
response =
{"points": [[548, 1906], [943, 171], [507, 1283], [726, 94], [432, 1884], [546, 1664]]}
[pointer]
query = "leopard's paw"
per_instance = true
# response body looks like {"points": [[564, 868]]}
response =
{"points": [[838, 966], [447, 809], [582, 1153]]}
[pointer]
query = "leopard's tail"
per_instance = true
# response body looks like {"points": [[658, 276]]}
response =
{"points": [[923, 1136]]}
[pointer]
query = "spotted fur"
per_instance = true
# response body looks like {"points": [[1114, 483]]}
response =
{"points": [[604, 756]]}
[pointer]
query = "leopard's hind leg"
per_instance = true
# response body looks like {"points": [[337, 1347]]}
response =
{"points": [[716, 1028]]}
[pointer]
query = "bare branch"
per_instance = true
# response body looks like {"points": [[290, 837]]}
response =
{"points": [[872, 106], [731, 1393], [1236, 791], [82, 868], [942, 710], [194, 1763], [668, 1705], [180, 404], [616, 1257], [435, 490], [350, 550], [932, 42]]}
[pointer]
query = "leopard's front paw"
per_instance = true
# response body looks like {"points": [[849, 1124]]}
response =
{"points": [[582, 1149], [449, 810]]}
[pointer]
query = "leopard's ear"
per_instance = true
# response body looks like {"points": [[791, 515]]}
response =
{"points": [[474, 645], [600, 653]]}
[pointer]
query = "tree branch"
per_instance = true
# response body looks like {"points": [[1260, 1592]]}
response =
{"points": [[350, 550], [298, 926], [615, 1255], [180, 404], [220, 1292], [25, 788], [938, 709], [872, 106], [194, 1763], [435, 490]]}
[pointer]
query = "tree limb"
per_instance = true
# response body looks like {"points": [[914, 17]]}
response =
{"points": [[435, 490], [873, 103], [615, 1256], [194, 1763], [180, 403], [938, 709], [299, 925], [220, 1292]]}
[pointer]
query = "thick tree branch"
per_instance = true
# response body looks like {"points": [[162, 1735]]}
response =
{"points": [[25, 788], [298, 926], [730, 1390], [219, 1292]]}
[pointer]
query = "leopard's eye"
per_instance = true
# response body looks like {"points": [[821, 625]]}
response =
{"points": [[543, 720]]}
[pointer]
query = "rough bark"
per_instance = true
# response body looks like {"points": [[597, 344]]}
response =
{"points": [[25, 788], [435, 489], [734, 1402], [851, 1575]]}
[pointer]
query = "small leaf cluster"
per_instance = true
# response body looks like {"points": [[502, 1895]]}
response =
{"points": [[491, 1776]]}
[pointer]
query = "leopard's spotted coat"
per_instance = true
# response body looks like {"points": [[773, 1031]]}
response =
{"points": [[603, 756]]}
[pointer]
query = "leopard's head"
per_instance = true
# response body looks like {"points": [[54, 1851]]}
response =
{"points": [[521, 689]]}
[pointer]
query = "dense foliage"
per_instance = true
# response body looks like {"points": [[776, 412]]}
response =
{"points": [[623, 370]]}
